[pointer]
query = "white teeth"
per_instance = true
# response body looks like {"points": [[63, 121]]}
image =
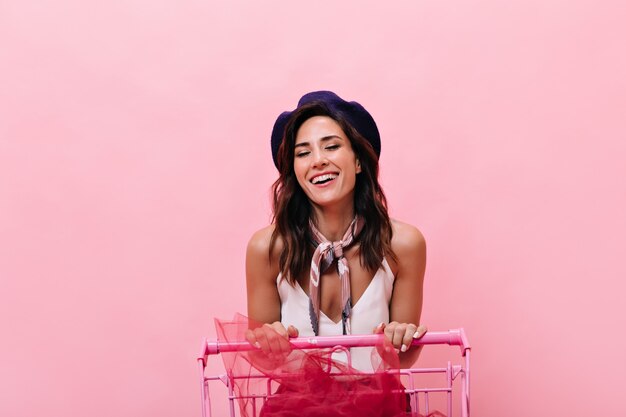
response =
{"points": [[323, 178]]}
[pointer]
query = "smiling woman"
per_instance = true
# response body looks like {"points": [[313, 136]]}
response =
{"points": [[332, 262], [325, 164]]}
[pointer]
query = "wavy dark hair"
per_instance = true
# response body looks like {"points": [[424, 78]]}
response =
{"points": [[292, 208]]}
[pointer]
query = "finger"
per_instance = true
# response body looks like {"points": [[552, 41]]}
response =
{"points": [[421, 331], [283, 336], [388, 330], [292, 331], [379, 329], [398, 336], [407, 337], [261, 340], [273, 339], [278, 339], [380, 346], [393, 333], [279, 328], [251, 338]]}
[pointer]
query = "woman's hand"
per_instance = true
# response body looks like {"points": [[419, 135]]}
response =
{"points": [[272, 339], [401, 335], [406, 299]]}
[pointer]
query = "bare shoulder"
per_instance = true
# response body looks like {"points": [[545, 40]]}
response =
{"points": [[409, 246], [407, 240], [260, 240], [259, 245]]}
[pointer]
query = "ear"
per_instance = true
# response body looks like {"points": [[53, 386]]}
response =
{"points": [[358, 166]]}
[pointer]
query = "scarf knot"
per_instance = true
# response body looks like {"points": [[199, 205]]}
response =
{"points": [[324, 256], [338, 249]]}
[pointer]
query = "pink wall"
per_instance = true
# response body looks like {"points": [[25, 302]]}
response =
{"points": [[134, 165]]}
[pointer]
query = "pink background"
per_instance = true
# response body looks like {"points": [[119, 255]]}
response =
{"points": [[135, 164]]}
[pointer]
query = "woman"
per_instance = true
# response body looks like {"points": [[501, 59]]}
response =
{"points": [[332, 261]]}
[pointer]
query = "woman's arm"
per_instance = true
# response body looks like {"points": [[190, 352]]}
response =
{"points": [[261, 273], [406, 301], [266, 332]]}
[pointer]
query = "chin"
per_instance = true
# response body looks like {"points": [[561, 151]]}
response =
{"points": [[330, 201]]}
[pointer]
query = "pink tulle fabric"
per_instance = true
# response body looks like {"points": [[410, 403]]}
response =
{"points": [[310, 383]]}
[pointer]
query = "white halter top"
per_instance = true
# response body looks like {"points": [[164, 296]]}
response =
{"points": [[368, 312]]}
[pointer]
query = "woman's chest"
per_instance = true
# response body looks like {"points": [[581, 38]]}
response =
{"points": [[330, 286]]}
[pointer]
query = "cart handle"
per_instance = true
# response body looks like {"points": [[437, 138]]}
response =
{"points": [[454, 337]]}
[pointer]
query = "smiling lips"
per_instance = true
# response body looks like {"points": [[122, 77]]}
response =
{"points": [[323, 178]]}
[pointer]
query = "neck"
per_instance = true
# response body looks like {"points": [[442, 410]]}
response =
{"points": [[332, 223]]}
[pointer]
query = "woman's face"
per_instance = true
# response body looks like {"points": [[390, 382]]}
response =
{"points": [[324, 162]]}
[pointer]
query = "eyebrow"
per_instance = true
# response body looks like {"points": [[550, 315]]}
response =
{"points": [[325, 138]]}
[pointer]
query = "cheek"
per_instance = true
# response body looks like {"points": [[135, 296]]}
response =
{"points": [[299, 173]]}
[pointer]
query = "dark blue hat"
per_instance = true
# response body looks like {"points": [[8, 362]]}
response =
{"points": [[351, 111]]}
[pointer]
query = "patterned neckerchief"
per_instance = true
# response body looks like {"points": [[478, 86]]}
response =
{"points": [[323, 257]]}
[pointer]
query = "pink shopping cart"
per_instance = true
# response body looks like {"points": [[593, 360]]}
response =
{"points": [[420, 384]]}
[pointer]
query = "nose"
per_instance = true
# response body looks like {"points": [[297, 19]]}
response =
{"points": [[319, 158]]}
